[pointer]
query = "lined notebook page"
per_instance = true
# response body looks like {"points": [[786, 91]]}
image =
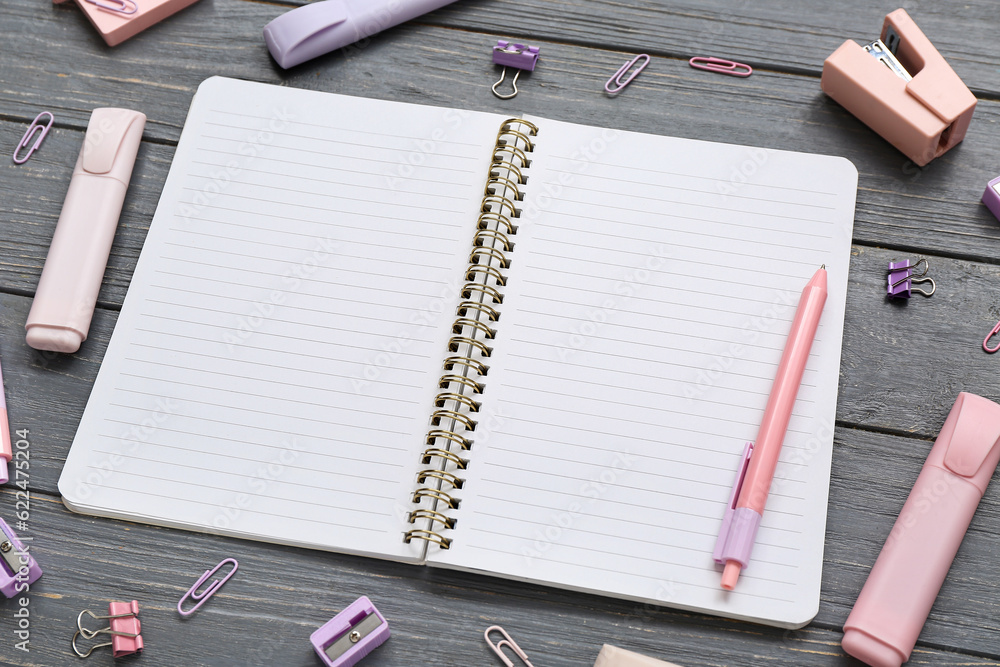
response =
{"points": [[650, 296], [274, 365]]}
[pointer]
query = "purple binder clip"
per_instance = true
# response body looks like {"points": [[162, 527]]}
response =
{"points": [[991, 197], [17, 568], [518, 56], [902, 277], [350, 635]]}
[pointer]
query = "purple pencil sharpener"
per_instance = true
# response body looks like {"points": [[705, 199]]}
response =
{"points": [[991, 197], [350, 635], [17, 568]]}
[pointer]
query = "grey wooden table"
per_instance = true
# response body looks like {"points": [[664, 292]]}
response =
{"points": [[903, 365]]}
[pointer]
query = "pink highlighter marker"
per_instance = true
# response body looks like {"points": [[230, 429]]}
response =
{"points": [[742, 518], [883, 627], [6, 453]]}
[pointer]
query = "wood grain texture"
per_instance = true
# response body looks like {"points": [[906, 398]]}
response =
{"points": [[902, 364], [264, 615], [788, 36], [899, 205]]}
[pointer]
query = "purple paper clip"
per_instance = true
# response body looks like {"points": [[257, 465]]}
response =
{"points": [[350, 635], [116, 6], [518, 56], [202, 596], [721, 66], [18, 570], [616, 78], [34, 128], [901, 279]]}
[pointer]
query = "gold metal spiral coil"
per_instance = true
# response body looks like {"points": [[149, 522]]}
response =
{"points": [[452, 426]]}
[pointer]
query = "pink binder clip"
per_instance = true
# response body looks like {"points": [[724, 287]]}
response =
{"points": [[35, 128], [617, 83], [902, 277], [202, 596], [505, 642], [901, 87], [721, 66], [124, 629], [518, 56]]}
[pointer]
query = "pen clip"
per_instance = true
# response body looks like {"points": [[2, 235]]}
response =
{"points": [[727, 518]]}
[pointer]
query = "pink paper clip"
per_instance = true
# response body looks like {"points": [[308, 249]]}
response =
{"points": [[616, 78], [721, 66], [33, 129], [993, 332], [509, 643], [202, 596], [116, 6]]}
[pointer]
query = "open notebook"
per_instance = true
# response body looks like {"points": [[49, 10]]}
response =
{"points": [[302, 354]]}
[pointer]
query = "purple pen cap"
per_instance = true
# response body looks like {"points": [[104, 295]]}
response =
{"points": [[306, 32]]}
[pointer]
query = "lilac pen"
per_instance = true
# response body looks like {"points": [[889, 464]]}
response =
{"points": [[320, 27]]}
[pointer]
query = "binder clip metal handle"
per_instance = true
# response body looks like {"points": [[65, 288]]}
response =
{"points": [[516, 56]]}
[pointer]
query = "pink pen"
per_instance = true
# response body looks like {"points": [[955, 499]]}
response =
{"points": [[60, 315], [895, 601], [6, 453], [739, 527]]}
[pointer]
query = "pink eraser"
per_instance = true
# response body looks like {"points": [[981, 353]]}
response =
{"points": [[117, 20], [890, 611], [611, 656], [64, 302], [901, 87]]}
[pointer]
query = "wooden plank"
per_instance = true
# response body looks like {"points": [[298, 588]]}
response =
{"points": [[903, 364], [264, 615], [899, 205], [783, 35]]}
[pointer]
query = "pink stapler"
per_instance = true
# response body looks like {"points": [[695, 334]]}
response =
{"points": [[895, 601], [901, 87], [117, 20]]}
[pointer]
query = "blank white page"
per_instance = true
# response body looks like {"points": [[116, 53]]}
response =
{"points": [[274, 365], [650, 294]]}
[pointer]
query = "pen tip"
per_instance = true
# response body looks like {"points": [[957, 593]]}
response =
{"points": [[823, 267], [730, 575]]}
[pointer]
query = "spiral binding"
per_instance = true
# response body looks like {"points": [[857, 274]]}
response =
{"points": [[453, 422]]}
